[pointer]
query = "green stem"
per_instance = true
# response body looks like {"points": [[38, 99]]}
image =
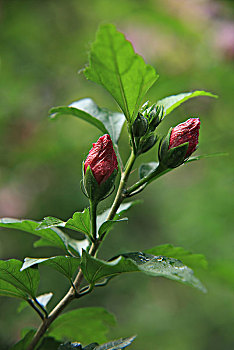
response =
{"points": [[74, 292], [120, 193], [159, 171], [93, 219]]}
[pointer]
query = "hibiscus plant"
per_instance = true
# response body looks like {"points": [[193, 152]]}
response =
{"points": [[124, 74]]}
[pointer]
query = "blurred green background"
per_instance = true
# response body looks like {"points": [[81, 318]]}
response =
{"points": [[191, 44]]}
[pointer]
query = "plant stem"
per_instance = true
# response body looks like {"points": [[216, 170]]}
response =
{"points": [[93, 219], [74, 293], [159, 171], [31, 303], [120, 193]]}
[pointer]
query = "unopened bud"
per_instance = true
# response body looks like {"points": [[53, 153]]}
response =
{"points": [[147, 143], [180, 143], [100, 169], [139, 126]]}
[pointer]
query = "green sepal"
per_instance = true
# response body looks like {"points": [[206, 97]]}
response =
{"points": [[140, 126], [93, 190], [147, 142], [173, 157], [155, 116]]}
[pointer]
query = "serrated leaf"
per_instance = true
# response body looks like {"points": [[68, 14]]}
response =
{"points": [[24, 343], [80, 222], [116, 344], [55, 236], [192, 260], [95, 269], [52, 236], [66, 265], [86, 324], [24, 281], [171, 102], [114, 64]]}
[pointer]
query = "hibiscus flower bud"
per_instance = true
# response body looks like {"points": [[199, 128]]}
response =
{"points": [[180, 143], [100, 169], [140, 125]]}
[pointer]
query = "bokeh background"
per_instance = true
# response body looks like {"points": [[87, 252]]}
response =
{"points": [[191, 44]]}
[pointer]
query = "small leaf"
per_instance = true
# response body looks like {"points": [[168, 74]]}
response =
{"points": [[123, 73], [95, 269], [86, 324], [24, 343], [192, 260], [171, 102], [25, 281], [80, 222], [66, 265], [116, 344]]}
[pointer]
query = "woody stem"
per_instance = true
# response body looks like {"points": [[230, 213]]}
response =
{"points": [[74, 293]]}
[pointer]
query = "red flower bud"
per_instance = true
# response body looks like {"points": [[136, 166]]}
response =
{"points": [[102, 159], [186, 132]]}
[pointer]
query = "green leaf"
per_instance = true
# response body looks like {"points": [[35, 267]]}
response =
{"points": [[171, 102], [108, 122], [8, 290], [56, 237], [66, 265], [114, 64], [95, 269], [116, 344], [49, 343], [108, 225], [192, 159], [192, 260], [86, 324], [26, 281], [75, 111], [80, 222], [102, 218], [104, 225], [24, 343], [49, 236]]}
